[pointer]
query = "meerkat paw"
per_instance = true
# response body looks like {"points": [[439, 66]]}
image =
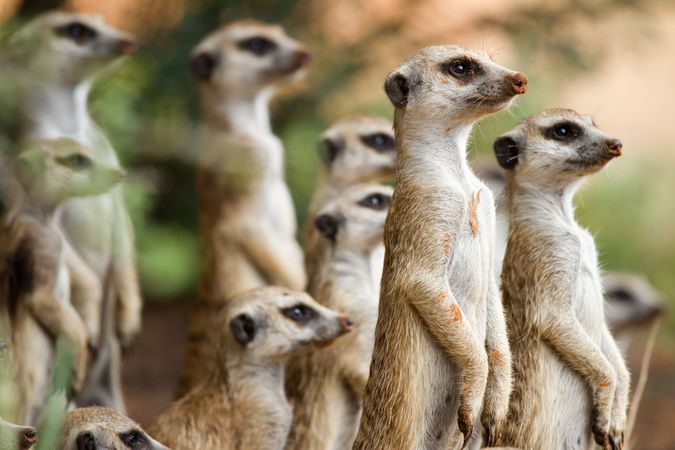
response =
{"points": [[128, 325], [465, 423], [492, 431], [80, 363], [601, 428]]}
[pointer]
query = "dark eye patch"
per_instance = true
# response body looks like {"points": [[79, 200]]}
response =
{"points": [[134, 439], [620, 294], [76, 161], [77, 31], [377, 201], [463, 69], [380, 142], [329, 149], [563, 131], [299, 313], [258, 45]]}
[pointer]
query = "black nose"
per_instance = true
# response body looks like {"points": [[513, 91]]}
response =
{"points": [[614, 144], [327, 226]]}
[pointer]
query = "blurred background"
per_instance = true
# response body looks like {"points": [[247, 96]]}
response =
{"points": [[613, 59]]}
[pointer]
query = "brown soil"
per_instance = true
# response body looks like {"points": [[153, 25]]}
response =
{"points": [[151, 370]]}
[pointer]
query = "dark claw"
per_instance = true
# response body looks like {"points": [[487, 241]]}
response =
{"points": [[490, 439], [614, 445], [465, 425]]}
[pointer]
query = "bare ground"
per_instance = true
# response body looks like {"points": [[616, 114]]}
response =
{"points": [[151, 370]]}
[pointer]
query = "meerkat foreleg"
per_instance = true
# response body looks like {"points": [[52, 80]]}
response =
{"points": [[500, 374], [620, 403], [86, 293], [124, 277], [438, 308], [355, 368], [61, 320], [266, 251], [571, 342]]}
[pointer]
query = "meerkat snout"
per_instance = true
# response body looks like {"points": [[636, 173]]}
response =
{"points": [[327, 225], [518, 82], [615, 146], [16, 437]]}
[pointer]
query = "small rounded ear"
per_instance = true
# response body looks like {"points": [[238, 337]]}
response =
{"points": [[327, 226], [202, 66], [243, 329], [329, 149], [86, 441], [397, 87], [507, 152]]}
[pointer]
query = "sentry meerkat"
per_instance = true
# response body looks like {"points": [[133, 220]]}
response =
{"points": [[440, 335], [242, 404], [16, 437], [570, 378], [97, 428], [66, 53], [36, 264], [246, 212], [356, 149], [330, 384]]}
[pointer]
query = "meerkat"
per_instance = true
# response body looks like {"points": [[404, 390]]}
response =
{"points": [[571, 381], [356, 149], [36, 263], [330, 384], [16, 437], [99, 428], [241, 404], [246, 212], [440, 337], [65, 53]]}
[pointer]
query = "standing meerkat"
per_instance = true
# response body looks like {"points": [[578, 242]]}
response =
{"points": [[570, 378], [242, 404], [16, 437], [246, 212], [37, 262], [66, 52], [329, 385], [440, 335], [97, 428]]}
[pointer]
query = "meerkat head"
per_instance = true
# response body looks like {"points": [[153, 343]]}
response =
{"points": [[52, 171], [452, 85], [247, 57], [555, 146], [96, 428], [358, 149], [16, 437], [72, 46], [270, 323], [356, 218], [630, 301]]}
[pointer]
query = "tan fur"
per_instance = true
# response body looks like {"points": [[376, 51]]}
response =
{"points": [[241, 404], [429, 372], [36, 264], [246, 212], [570, 379], [329, 385], [102, 428]]}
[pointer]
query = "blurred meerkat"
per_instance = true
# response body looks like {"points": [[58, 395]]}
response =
{"points": [[329, 385], [67, 52], [16, 437], [356, 149], [440, 322], [98, 428], [241, 404], [37, 262], [247, 216], [570, 378]]}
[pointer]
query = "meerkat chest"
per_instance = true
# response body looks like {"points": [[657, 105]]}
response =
{"points": [[588, 293]]}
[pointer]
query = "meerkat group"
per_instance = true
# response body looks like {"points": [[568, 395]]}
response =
{"points": [[404, 336]]}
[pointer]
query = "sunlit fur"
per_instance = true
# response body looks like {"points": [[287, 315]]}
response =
{"points": [[570, 378], [440, 312], [241, 403]]}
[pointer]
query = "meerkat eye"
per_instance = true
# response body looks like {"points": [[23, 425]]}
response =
{"points": [[257, 45], [461, 68], [76, 161], [565, 131], [379, 141], [133, 439], [77, 31], [299, 313], [620, 294], [376, 201]]}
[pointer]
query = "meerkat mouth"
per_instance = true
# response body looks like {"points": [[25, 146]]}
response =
{"points": [[491, 103]]}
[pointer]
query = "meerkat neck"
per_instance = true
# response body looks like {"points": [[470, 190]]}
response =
{"points": [[59, 105], [524, 197], [248, 114], [353, 268], [424, 150]]}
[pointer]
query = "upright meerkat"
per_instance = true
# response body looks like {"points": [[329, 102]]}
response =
{"points": [[356, 149], [247, 216], [16, 437], [97, 428], [242, 404], [329, 385], [440, 335], [570, 379], [66, 53], [37, 262]]}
